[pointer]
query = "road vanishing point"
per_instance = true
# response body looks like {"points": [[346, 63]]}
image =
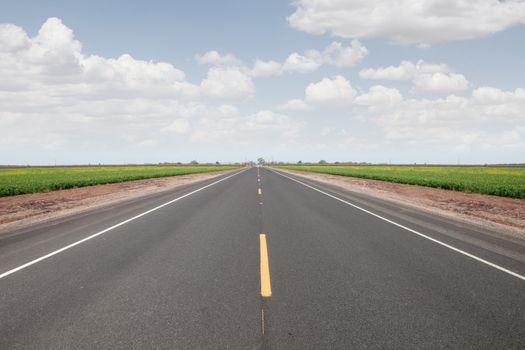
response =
{"points": [[260, 259]]}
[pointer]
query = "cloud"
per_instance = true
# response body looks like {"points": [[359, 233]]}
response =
{"points": [[425, 76], [55, 97], [422, 23], [12, 38], [53, 64], [246, 129], [490, 119], [295, 105], [310, 61], [338, 92], [441, 82], [267, 119], [379, 96], [178, 126], [266, 68], [405, 71], [505, 106], [215, 58], [227, 82], [334, 54], [330, 92], [341, 56], [495, 96], [487, 126]]}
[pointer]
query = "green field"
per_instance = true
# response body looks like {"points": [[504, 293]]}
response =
{"points": [[499, 181], [21, 180]]}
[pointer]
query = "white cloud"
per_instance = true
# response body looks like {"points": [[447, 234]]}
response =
{"points": [[425, 76], [215, 58], [310, 61], [441, 82], [334, 54], [491, 119], [126, 68], [423, 22], [338, 92], [55, 99], [342, 56], [227, 82], [295, 105], [379, 96], [247, 129], [227, 110], [405, 71], [12, 38], [53, 64], [266, 68], [494, 96], [178, 126], [503, 105], [54, 96], [330, 92], [267, 119]]}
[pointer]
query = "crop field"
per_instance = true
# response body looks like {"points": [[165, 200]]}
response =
{"points": [[499, 181], [21, 180]]}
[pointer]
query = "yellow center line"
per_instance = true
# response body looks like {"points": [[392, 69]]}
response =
{"points": [[259, 191], [266, 286]]}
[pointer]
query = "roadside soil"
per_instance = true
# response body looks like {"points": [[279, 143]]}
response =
{"points": [[28, 209], [506, 215]]}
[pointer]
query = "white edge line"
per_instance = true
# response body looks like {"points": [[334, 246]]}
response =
{"points": [[409, 229], [44, 257]]}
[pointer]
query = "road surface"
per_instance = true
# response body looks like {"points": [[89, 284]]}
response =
{"points": [[260, 262]]}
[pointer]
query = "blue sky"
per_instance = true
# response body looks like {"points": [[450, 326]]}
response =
{"points": [[66, 97]]}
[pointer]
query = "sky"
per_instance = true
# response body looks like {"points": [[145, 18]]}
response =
{"points": [[429, 81]]}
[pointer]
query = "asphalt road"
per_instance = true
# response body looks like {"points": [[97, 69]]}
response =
{"points": [[343, 271]]}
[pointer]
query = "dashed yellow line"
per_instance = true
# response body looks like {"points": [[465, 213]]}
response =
{"points": [[266, 286]]}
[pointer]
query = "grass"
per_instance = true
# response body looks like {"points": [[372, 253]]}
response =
{"points": [[22, 180], [499, 181]]}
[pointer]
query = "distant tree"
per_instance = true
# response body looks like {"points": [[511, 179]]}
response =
{"points": [[261, 161], [194, 162], [323, 162], [217, 163], [300, 162]]}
